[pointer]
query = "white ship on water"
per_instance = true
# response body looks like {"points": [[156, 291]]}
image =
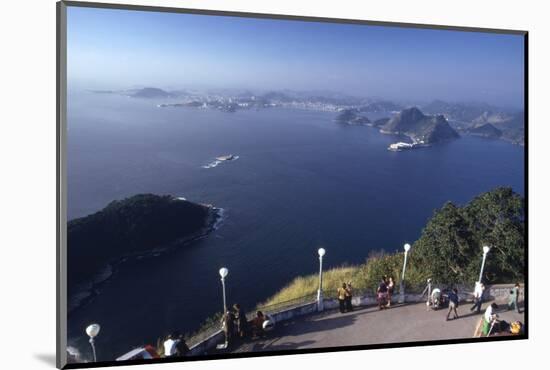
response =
{"points": [[400, 146], [221, 159], [228, 157]]}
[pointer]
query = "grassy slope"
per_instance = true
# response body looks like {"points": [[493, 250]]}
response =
{"points": [[364, 278]]}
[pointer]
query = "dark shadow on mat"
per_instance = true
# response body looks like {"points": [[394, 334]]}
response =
{"points": [[46, 358]]}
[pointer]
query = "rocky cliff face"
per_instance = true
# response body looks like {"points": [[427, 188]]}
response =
{"points": [[420, 127]]}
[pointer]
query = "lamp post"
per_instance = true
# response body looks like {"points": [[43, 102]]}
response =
{"points": [[223, 273], [406, 247], [486, 250], [92, 331], [320, 305]]}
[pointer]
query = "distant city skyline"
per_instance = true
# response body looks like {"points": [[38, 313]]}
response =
{"points": [[116, 49]]}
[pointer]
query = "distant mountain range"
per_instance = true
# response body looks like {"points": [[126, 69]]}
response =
{"points": [[470, 118], [421, 128], [460, 112], [380, 106], [482, 120], [411, 122], [144, 93]]}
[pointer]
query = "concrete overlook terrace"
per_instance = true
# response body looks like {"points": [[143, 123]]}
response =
{"points": [[303, 326], [402, 323], [368, 325]]}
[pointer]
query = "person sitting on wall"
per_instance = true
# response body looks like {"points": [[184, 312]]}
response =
{"points": [[257, 325], [342, 297]]}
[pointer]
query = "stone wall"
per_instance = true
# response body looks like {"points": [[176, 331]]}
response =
{"points": [[207, 344], [501, 292]]}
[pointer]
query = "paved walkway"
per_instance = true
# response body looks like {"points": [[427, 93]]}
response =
{"points": [[402, 323]]}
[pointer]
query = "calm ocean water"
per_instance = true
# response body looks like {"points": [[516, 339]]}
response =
{"points": [[301, 182]]}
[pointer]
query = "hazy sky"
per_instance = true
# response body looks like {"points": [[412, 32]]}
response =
{"points": [[121, 48]]}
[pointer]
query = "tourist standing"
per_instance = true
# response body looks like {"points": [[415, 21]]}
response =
{"points": [[240, 320], [429, 290], [228, 327], [170, 345], [478, 297], [181, 347], [453, 303], [391, 285], [342, 297], [513, 298], [349, 295], [382, 293]]}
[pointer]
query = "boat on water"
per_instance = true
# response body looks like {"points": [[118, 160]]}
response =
{"points": [[228, 157], [400, 146], [397, 147]]}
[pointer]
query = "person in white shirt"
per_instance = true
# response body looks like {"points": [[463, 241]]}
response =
{"points": [[436, 297], [478, 296], [489, 317], [170, 345]]}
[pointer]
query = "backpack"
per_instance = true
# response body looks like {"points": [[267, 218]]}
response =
{"points": [[515, 327]]}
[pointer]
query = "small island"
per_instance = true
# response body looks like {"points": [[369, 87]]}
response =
{"points": [[351, 117], [138, 225], [151, 93]]}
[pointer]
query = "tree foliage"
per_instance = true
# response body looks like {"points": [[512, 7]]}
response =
{"points": [[450, 247]]}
